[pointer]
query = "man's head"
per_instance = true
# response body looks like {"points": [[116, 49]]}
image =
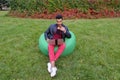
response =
{"points": [[59, 19]]}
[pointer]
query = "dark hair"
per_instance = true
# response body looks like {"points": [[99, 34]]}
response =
{"points": [[59, 16]]}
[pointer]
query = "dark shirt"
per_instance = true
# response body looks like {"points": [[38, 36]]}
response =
{"points": [[57, 35]]}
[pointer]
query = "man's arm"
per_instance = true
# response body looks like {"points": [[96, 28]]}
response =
{"points": [[46, 33], [67, 34], [65, 30]]}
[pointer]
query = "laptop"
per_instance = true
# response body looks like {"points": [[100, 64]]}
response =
{"points": [[56, 41]]}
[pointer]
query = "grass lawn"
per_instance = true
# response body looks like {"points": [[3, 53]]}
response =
{"points": [[96, 56]]}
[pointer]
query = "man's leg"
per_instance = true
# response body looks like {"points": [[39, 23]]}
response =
{"points": [[52, 69], [51, 54], [60, 50]]}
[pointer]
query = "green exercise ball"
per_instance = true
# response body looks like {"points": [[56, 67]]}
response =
{"points": [[70, 45]]}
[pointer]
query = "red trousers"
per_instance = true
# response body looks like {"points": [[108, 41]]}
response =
{"points": [[53, 56]]}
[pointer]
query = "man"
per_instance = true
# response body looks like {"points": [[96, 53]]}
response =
{"points": [[55, 36]]}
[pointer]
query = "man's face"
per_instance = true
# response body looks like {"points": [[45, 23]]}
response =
{"points": [[59, 21]]}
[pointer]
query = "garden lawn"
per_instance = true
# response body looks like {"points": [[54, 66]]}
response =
{"points": [[96, 55]]}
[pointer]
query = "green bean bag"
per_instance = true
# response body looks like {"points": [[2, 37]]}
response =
{"points": [[70, 45]]}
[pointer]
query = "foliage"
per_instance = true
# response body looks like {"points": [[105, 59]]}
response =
{"points": [[4, 3], [45, 7], [54, 5], [28, 5]]}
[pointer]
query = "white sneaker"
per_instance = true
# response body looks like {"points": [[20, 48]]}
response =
{"points": [[53, 73], [49, 67]]}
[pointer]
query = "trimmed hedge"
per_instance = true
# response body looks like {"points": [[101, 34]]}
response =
{"points": [[54, 5], [50, 6], [27, 5]]}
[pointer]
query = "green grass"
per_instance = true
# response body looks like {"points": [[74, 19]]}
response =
{"points": [[96, 56]]}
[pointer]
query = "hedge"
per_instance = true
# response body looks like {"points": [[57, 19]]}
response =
{"points": [[50, 6], [53, 5]]}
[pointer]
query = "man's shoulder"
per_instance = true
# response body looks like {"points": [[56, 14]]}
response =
{"points": [[52, 25], [64, 26]]}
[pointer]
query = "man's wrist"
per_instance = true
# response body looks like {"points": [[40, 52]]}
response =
{"points": [[64, 31]]}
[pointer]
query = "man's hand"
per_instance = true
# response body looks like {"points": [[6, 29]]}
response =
{"points": [[62, 29], [47, 40]]}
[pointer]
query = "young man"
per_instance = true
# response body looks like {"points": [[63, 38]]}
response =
{"points": [[55, 36]]}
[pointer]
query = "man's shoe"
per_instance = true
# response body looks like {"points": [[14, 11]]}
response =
{"points": [[53, 73], [49, 67]]}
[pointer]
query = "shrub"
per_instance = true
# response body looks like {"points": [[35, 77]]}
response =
{"points": [[90, 7]]}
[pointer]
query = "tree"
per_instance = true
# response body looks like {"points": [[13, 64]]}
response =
{"points": [[4, 3]]}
